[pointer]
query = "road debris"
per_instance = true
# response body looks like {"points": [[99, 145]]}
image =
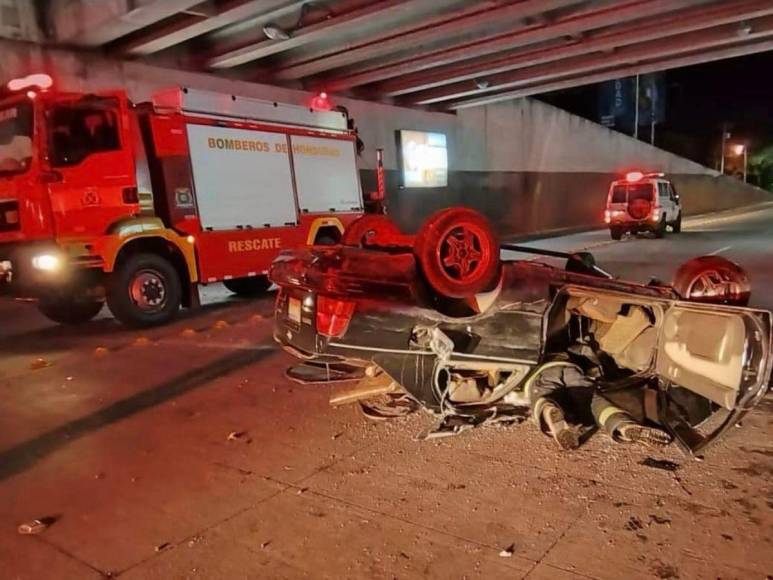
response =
{"points": [[100, 351], [663, 464], [220, 324], [35, 526], [238, 436], [39, 363], [195, 540], [453, 424], [389, 406], [162, 547], [507, 552], [188, 332]]}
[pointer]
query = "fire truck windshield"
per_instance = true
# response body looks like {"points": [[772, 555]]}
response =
{"points": [[15, 137]]}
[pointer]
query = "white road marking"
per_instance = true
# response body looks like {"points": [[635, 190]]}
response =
{"points": [[720, 250]]}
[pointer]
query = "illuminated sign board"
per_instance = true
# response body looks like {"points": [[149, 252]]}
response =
{"points": [[424, 159]]}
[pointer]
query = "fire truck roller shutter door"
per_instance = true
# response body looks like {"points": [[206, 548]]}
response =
{"points": [[326, 174], [242, 178]]}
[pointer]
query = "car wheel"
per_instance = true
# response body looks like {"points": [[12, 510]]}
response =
{"points": [[458, 252], [252, 286], [660, 231], [370, 228], [69, 309], [616, 233], [677, 225], [145, 290], [714, 280]]}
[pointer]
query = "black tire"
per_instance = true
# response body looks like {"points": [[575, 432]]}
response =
{"points": [[252, 286], [458, 253], [676, 227], [326, 240], [69, 309], [660, 231], [616, 233], [144, 290], [362, 231]]}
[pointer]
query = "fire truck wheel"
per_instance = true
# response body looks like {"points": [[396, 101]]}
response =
{"points": [[253, 286], [69, 309], [458, 252], [144, 290]]}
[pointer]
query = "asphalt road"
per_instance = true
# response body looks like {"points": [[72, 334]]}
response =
{"points": [[184, 452], [743, 236]]}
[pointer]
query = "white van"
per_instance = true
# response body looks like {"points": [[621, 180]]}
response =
{"points": [[643, 203]]}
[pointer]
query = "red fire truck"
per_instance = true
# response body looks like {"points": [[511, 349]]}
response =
{"points": [[136, 205]]}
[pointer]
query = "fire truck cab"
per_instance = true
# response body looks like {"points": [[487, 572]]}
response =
{"points": [[103, 200]]}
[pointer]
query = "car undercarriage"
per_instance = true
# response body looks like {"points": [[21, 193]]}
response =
{"points": [[687, 368]]}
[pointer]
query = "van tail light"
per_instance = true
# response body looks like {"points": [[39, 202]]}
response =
{"points": [[333, 316]]}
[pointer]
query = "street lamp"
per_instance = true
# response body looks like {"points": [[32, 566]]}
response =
{"points": [[740, 149]]}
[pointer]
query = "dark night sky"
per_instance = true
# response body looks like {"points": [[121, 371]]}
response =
{"points": [[699, 100]]}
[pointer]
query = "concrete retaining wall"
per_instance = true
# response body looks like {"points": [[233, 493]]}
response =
{"points": [[528, 166]]}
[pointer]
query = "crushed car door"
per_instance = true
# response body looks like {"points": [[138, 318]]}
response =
{"points": [[718, 352]]}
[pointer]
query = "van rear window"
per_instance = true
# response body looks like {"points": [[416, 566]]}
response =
{"points": [[631, 192]]}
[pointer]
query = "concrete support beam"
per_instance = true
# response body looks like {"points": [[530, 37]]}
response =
{"points": [[680, 22], [539, 32], [700, 57], [194, 25], [412, 36], [315, 32], [594, 61], [90, 23], [18, 21]]}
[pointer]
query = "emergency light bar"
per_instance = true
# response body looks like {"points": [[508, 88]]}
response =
{"points": [[39, 81], [635, 176]]}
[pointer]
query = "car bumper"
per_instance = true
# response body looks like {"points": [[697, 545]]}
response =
{"points": [[638, 226]]}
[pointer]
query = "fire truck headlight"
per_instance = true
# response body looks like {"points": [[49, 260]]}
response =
{"points": [[47, 262]]}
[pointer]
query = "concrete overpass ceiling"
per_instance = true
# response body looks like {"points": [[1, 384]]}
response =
{"points": [[446, 55]]}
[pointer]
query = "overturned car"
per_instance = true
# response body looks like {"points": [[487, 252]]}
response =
{"points": [[468, 333]]}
